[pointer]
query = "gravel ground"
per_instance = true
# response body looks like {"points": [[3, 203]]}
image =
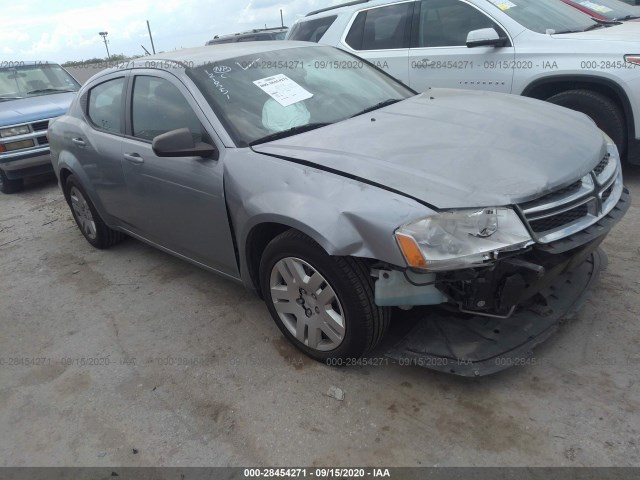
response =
{"points": [[191, 371]]}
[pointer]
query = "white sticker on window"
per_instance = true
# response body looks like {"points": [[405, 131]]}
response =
{"points": [[503, 4], [283, 90], [596, 7]]}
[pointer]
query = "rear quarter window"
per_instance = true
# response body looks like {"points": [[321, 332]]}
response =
{"points": [[311, 30]]}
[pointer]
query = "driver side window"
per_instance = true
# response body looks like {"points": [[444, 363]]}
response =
{"points": [[159, 107], [447, 23]]}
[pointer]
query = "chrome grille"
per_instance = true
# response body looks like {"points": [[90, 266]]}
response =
{"points": [[559, 220], [602, 165], [570, 209]]}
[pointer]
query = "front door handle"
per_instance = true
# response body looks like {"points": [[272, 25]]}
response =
{"points": [[78, 141], [133, 158]]}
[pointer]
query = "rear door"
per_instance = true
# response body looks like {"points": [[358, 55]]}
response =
{"points": [[97, 143], [178, 203], [439, 56], [382, 35]]}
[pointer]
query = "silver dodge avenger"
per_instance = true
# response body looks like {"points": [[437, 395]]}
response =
{"points": [[336, 193]]}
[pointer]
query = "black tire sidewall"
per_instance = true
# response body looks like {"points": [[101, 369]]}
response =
{"points": [[355, 341], [604, 112], [8, 186], [99, 241]]}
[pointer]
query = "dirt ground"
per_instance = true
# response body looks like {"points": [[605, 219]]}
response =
{"points": [[104, 352]]}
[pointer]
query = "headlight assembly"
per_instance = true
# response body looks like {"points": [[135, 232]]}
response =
{"points": [[13, 131], [461, 239]]}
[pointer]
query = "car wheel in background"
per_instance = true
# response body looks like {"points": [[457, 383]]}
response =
{"points": [[323, 304], [9, 186], [602, 110], [87, 218]]}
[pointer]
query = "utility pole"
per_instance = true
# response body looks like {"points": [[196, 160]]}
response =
{"points": [[152, 45], [104, 37]]}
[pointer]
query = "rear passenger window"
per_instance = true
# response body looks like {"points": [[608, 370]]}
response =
{"points": [[447, 23], [381, 28], [159, 107], [311, 30], [105, 105]]}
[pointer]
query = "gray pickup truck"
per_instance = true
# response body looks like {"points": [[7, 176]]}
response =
{"points": [[31, 94]]}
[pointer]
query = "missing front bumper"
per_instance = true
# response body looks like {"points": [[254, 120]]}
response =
{"points": [[472, 346]]}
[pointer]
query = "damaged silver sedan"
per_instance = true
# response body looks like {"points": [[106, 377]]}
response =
{"points": [[337, 193]]}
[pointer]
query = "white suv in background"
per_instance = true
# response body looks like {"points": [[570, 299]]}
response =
{"points": [[543, 49]]}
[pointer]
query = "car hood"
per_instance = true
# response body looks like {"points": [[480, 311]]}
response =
{"points": [[456, 149], [628, 32], [32, 109]]}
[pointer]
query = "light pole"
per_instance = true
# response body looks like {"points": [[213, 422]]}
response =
{"points": [[104, 37]]}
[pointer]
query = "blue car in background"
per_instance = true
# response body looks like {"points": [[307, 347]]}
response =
{"points": [[31, 94]]}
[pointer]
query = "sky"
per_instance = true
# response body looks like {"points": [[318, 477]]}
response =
{"points": [[64, 30]]}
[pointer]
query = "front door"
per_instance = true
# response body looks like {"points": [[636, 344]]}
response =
{"points": [[178, 203], [439, 56]]}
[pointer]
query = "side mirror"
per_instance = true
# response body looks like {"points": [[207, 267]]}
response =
{"points": [[485, 37], [179, 143]]}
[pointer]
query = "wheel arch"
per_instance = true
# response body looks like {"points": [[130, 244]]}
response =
{"points": [[68, 165], [263, 232], [544, 88]]}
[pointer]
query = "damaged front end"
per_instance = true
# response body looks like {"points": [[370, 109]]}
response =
{"points": [[503, 277]]}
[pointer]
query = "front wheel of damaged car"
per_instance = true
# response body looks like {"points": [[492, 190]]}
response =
{"points": [[323, 304]]}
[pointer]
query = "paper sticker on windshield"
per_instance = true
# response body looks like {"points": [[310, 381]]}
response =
{"points": [[503, 4], [596, 7], [283, 90]]}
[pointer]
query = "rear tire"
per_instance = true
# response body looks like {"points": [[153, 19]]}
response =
{"points": [[86, 216], [602, 110], [323, 304], [9, 186]]}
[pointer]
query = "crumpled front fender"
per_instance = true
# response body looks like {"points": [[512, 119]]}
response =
{"points": [[344, 216]]}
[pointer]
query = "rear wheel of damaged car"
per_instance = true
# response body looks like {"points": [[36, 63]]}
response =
{"points": [[8, 185], [607, 115], [87, 218], [323, 304]]}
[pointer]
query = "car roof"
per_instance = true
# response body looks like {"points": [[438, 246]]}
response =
{"points": [[349, 6], [215, 53], [187, 57], [248, 33]]}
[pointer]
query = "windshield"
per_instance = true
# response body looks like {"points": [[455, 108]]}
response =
{"points": [[611, 9], [545, 16], [31, 80], [279, 93]]}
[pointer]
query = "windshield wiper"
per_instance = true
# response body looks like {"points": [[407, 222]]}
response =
{"points": [[628, 17], [45, 90], [598, 24], [10, 98], [389, 101], [289, 132]]}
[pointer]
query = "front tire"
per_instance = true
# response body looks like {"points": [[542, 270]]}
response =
{"points": [[602, 110], [87, 218], [9, 186], [323, 304]]}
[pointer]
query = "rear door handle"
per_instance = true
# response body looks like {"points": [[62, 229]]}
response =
{"points": [[133, 158], [78, 141]]}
